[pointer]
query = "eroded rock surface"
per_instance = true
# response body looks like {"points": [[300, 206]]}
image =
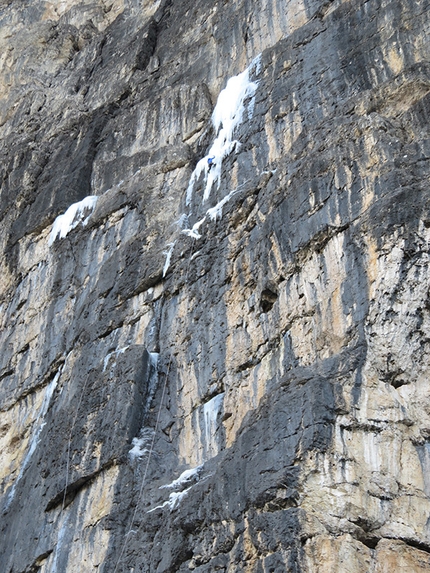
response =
{"points": [[270, 341]]}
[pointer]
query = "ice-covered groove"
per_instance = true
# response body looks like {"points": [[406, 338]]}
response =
{"points": [[185, 477], [154, 356], [59, 544], [142, 443], [78, 213], [168, 254], [226, 117], [211, 410], [153, 378], [39, 425]]}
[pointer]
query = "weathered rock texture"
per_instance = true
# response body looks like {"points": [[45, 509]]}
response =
{"points": [[292, 336]]}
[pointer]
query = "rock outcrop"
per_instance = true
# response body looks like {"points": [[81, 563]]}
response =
{"points": [[218, 368]]}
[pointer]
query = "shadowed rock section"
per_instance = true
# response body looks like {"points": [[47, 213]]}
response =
{"points": [[260, 324]]}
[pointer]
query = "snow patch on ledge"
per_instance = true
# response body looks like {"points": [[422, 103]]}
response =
{"points": [[78, 213]]}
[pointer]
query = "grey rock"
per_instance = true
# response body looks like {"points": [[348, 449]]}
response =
{"points": [[270, 341]]}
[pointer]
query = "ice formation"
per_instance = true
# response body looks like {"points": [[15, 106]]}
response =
{"points": [[172, 502], [216, 211], [210, 412], [78, 213], [194, 231], [168, 254], [184, 478], [227, 116], [142, 444]]}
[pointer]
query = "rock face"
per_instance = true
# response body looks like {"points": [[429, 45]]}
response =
{"points": [[224, 369]]}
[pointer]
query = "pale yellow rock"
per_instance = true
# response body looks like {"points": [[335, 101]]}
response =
{"points": [[20, 427], [393, 555], [325, 554], [89, 541]]}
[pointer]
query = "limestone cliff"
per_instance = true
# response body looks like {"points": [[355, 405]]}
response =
{"points": [[215, 367]]}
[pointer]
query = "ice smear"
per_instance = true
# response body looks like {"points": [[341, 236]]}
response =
{"points": [[114, 353], [194, 231], [210, 412], [227, 116], [216, 211], [168, 254], [182, 221], [38, 427], [185, 477], [59, 544], [172, 502], [78, 213], [213, 213]]}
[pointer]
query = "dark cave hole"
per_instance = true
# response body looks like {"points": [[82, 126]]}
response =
{"points": [[267, 300]]}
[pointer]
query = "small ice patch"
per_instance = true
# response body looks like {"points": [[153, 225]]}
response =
{"points": [[106, 360], [168, 254], [182, 221], [194, 231], [114, 353], [142, 444], [78, 213], [172, 502], [154, 356], [139, 448], [184, 478]]}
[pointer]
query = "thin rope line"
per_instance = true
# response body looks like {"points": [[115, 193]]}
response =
{"points": [[126, 535], [146, 469]]}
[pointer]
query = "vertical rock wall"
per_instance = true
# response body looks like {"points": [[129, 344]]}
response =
{"points": [[230, 383]]}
